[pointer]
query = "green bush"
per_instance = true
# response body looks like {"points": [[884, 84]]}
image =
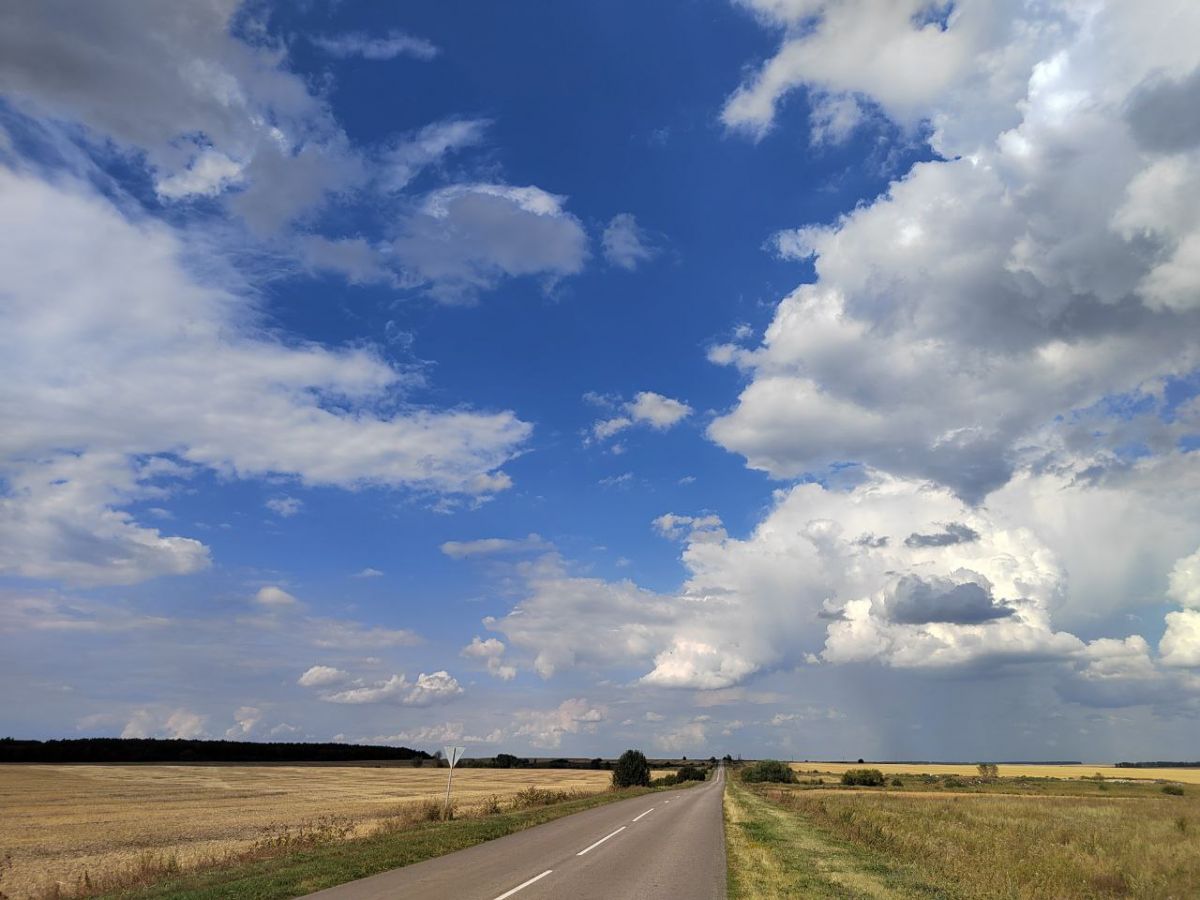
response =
{"points": [[896, 782], [771, 770], [532, 797], [1175, 790], [631, 770], [690, 773], [863, 777]]}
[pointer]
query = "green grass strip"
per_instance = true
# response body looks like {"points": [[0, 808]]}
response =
{"points": [[774, 853]]}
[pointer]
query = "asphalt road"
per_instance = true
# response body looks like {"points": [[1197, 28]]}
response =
{"points": [[663, 846]]}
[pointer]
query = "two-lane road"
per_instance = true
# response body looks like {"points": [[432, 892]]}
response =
{"points": [[665, 846]]}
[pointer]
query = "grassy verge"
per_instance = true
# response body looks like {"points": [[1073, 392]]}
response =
{"points": [[773, 853], [298, 872]]}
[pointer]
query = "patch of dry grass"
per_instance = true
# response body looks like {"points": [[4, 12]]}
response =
{"points": [[990, 844], [68, 827], [1188, 776]]}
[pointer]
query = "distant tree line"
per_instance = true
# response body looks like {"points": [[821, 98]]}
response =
{"points": [[1160, 764], [154, 750], [508, 761]]}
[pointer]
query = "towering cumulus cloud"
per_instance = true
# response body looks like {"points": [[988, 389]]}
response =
{"points": [[1006, 320], [985, 375], [1043, 267]]}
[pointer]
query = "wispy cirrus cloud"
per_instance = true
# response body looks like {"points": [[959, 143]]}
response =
{"points": [[626, 245], [533, 543], [372, 47]]}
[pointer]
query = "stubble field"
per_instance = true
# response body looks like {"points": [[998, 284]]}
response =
{"points": [[60, 822], [1034, 833], [1188, 776]]}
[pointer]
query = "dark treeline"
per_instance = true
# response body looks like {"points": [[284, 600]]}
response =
{"points": [[508, 761], [1160, 764], [964, 762], [145, 750]]}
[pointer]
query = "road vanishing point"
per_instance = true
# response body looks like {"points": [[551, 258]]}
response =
{"points": [[663, 846]]}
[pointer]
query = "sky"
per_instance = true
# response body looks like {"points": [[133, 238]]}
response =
{"points": [[798, 378]]}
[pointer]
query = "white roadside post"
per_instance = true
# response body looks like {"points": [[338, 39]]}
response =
{"points": [[453, 755]]}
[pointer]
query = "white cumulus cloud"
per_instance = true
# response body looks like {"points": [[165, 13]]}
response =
{"points": [[491, 653], [436, 687], [834, 574], [546, 728], [180, 723], [272, 596], [322, 676], [648, 408], [104, 423], [993, 297], [466, 237]]}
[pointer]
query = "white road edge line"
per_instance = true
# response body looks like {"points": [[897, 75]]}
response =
{"points": [[598, 843], [524, 885], [646, 813]]}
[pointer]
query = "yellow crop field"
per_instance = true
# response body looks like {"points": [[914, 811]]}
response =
{"points": [[1057, 840], [1187, 776], [59, 822]]}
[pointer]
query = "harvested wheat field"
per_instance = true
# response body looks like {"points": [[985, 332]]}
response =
{"points": [[1084, 770], [61, 822], [1124, 840]]}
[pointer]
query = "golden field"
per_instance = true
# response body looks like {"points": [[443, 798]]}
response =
{"points": [[59, 822], [1062, 841], [1186, 776]]}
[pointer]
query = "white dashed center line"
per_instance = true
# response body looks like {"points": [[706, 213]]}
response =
{"points": [[646, 813], [525, 884], [597, 844]]}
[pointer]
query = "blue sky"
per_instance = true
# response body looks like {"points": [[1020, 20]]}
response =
{"points": [[787, 377]]}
